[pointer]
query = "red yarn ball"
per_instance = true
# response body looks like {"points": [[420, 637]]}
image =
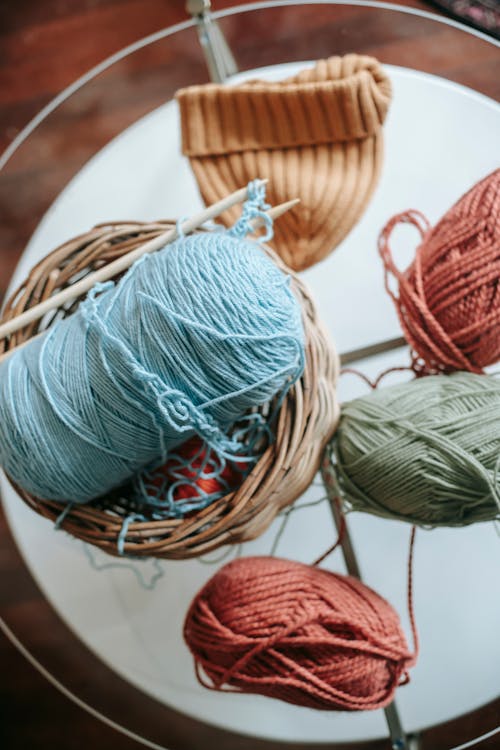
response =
{"points": [[190, 480], [449, 297], [297, 633]]}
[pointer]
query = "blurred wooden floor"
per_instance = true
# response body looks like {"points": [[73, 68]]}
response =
{"points": [[44, 46]]}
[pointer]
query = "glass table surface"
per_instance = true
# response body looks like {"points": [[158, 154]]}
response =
{"points": [[108, 149]]}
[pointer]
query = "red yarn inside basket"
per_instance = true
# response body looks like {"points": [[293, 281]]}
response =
{"points": [[295, 632], [449, 297], [190, 480]]}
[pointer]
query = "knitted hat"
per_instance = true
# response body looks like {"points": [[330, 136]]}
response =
{"points": [[316, 136]]}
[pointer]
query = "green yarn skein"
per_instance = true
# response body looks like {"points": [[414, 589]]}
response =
{"points": [[427, 452]]}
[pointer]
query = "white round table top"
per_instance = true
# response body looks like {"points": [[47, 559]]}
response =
{"points": [[440, 138]]}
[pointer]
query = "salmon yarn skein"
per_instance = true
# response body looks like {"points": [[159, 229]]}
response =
{"points": [[297, 633], [449, 297]]}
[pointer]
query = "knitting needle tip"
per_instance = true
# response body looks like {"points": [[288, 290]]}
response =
{"points": [[278, 211], [275, 212]]}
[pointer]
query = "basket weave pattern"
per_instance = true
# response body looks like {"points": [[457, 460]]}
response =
{"points": [[306, 420]]}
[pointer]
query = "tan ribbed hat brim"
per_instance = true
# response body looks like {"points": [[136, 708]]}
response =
{"points": [[316, 136]]}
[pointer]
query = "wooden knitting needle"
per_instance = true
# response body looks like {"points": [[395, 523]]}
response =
{"points": [[275, 212], [121, 264]]}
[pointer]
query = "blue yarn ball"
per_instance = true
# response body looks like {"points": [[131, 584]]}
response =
{"points": [[189, 340]]}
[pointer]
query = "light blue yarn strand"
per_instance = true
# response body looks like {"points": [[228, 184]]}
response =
{"points": [[255, 207], [156, 491], [190, 339]]}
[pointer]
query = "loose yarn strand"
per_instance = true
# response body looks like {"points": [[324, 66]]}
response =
{"points": [[287, 514], [340, 537], [254, 207], [411, 610], [145, 584], [334, 495], [374, 384], [415, 304]]}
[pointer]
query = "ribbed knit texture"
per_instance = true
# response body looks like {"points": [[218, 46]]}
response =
{"points": [[316, 136], [297, 633]]}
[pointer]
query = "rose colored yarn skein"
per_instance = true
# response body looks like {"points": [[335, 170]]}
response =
{"points": [[449, 297], [297, 633]]}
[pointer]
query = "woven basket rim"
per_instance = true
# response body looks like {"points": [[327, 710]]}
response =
{"points": [[307, 418]]}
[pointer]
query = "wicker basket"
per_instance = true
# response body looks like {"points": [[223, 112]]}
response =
{"points": [[307, 418]]}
